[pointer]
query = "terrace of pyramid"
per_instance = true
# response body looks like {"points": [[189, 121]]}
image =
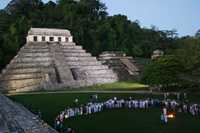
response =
{"points": [[124, 66], [50, 60]]}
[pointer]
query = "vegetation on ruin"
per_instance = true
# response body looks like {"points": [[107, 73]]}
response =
{"points": [[118, 121]]}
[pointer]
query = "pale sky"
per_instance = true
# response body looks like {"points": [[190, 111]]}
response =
{"points": [[182, 15]]}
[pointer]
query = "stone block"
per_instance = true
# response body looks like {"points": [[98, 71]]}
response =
{"points": [[83, 63], [87, 59], [77, 54], [17, 119], [22, 76]]}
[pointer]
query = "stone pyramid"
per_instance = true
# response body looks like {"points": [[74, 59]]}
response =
{"points": [[51, 60], [124, 66]]}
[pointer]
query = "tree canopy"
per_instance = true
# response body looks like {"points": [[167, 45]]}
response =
{"points": [[89, 23], [180, 67], [163, 72]]}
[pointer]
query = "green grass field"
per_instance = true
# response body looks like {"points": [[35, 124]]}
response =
{"points": [[119, 86], [112, 121]]}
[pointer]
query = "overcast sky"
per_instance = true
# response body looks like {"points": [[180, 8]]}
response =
{"points": [[182, 15]]}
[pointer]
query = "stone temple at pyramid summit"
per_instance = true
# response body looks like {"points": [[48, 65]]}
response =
{"points": [[50, 60]]}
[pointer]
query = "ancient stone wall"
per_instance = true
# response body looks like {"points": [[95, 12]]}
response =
{"points": [[124, 66], [14, 118]]}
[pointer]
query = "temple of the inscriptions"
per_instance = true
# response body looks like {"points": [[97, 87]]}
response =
{"points": [[51, 60]]}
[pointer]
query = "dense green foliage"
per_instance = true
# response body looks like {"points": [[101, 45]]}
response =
{"points": [[88, 21], [188, 55], [117, 121], [163, 72], [180, 68]]}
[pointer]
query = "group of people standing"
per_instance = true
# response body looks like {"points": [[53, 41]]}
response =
{"points": [[94, 106], [180, 105]]}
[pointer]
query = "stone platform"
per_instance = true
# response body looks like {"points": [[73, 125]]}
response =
{"points": [[15, 118]]}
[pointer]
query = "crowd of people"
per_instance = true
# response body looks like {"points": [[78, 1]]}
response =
{"points": [[92, 107]]}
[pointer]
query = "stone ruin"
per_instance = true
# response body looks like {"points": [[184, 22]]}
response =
{"points": [[15, 118], [157, 54], [51, 60], [125, 66]]}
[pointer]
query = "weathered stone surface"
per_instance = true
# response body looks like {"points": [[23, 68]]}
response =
{"points": [[14, 118], [157, 54], [51, 65], [76, 54], [125, 66]]}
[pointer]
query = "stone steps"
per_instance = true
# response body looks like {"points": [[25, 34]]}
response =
{"points": [[71, 47], [36, 43], [22, 76], [19, 120], [81, 59], [93, 67], [77, 54], [99, 72], [83, 63], [35, 47], [31, 52], [26, 70], [73, 51], [30, 64], [35, 55], [101, 80], [106, 76], [33, 59], [68, 43], [62, 68], [34, 50], [36, 58], [47, 47], [21, 83]]}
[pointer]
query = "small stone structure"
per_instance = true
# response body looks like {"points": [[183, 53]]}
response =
{"points": [[156, 54], [125, 66], [50, 60], [15, 118]]}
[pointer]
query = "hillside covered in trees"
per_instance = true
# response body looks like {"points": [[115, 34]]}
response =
{"points": [[96, 31], [89, 22]]}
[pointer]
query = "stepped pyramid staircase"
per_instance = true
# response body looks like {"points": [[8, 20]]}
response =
{"points": [[45, 65], [125, 66], [132, 69]]}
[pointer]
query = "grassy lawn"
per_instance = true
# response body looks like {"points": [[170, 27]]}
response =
{"points": [[123, 86], [128, 121], [112, 121], [117, 86]]}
